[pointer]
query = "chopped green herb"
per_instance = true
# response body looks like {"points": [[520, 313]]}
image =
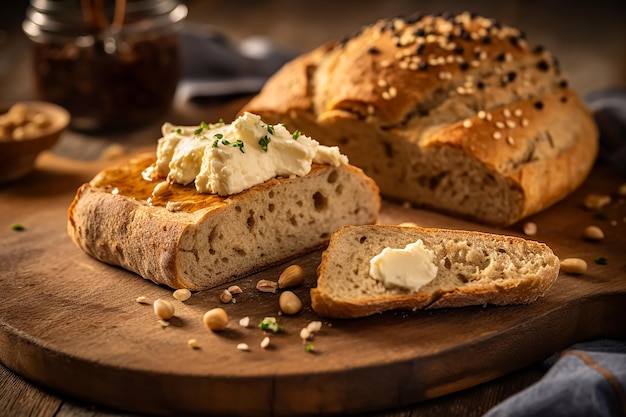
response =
{"points": [[17, 227], [270, 324], [179, 131], [296, 134], [225, 142], [264, 141], [601, 261], [239, 144], [204, 125], [219, 135], [309, 347], [282, 124], [198, 131], [270, 129], [220, 121], [215, 143]]}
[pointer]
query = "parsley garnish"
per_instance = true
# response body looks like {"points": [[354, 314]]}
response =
{"points": [[264, 141], [17, 227], [220, 121], [225, 142], [219, 135], [204, 125], [198, 131], [601, 261], [269, 323], [179, 131], [296, 134], [309, 348], [270, 129], [215, 143], [239, 144]]}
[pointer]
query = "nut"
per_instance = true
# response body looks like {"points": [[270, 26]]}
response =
{"points": [[182, 294], [192, 343], [265, 285], [289, 303], [160, 189], [244, 322], [243, 346], [407, 224], [596, 201], [574, 266], [215, 319], [142, 299], [226, 296], [314, 326], [265, 342], [235, 289], [163, 309], [593, 233], [292, 276], [530, 228], [305, 334]]}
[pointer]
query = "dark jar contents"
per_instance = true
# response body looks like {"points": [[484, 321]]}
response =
{"points": [[111, 77]]}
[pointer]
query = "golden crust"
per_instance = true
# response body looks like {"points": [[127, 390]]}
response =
{"points": [[403, 86]]}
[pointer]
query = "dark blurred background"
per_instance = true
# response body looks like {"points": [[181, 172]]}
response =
{"points": [[589, 37]]}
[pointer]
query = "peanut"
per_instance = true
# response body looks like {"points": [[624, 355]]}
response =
{"points": [[574, 266], [596, 201], [182, 294], [215, 319], [235, 289], [530, 228], [292, 276], [265, 285], [163, 309], [265, 342], [593, 233], [289, 303], [226, 297]]}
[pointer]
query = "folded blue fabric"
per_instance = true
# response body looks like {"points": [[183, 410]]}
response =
{"points": [[587, 380]]}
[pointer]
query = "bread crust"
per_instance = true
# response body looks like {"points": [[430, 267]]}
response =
{"points": [[167, 246], [499, 105], [488, 290]]}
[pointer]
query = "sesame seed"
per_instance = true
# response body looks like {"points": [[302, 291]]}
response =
{"points": [[482, 114], [393, 92], [403, 65], [450, 59], [382, 83], [517, 112], [524, 122], [385, 63], [475, 64], [467, 123], [488, 116], [500, 125], [497, 135], [511, 124], [510, 140], [460, 90], [506, 113], [385, 95]]}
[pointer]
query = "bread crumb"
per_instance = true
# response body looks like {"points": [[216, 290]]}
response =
{"points": [[243, 347]]}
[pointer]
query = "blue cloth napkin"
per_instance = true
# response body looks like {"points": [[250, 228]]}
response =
{"points": [[587, 379]]}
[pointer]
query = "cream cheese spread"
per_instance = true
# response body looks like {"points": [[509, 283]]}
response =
{"points": [[226, 159], [409, 268]]}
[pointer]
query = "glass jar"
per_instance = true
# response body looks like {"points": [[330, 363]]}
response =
{"points": [[112, 64]]}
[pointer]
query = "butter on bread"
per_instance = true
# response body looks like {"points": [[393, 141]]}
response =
{"points": [[453, 112], [473, 268], [197, 241]]}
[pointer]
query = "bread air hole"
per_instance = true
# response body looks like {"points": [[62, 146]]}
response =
{"points": [[271, 207], [251, 220], [339, 189], [320, 201], [332, 177], [362, 239]]}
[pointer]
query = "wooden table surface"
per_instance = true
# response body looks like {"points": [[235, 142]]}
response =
{"points": [[601, 47]]}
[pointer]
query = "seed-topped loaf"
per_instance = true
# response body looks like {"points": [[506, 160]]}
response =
{"points": [[147, 214], [449, 268], [454, 112]]}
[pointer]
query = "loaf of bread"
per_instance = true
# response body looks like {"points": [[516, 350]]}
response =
{"points": [[473, 268], [185, 239], [453, 112]]}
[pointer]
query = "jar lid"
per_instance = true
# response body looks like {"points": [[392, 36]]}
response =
{"points": [[80, 17]]}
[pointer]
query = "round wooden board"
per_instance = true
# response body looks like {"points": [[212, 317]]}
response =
{"points": [[71, 323]]}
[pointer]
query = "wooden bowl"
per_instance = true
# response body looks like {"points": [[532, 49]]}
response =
{"points": [[17, 156]]}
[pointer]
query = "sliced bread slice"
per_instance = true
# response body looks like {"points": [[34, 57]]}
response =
{"points": [[473, 268]]}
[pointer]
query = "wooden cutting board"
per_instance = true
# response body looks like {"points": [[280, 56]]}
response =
{"points": [[72, 324]]}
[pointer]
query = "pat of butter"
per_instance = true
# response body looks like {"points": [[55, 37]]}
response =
{"points": [[226, 159], [410, 268]]}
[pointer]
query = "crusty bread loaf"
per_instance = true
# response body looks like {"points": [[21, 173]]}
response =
{"points": [[456, 113], [474, 268], [196, 241]]}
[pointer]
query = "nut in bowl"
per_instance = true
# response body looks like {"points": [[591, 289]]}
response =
{"points": [[26, 129]]}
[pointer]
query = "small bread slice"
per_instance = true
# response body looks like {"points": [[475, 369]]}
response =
{"points": [[474, 268], [199, 241]]}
